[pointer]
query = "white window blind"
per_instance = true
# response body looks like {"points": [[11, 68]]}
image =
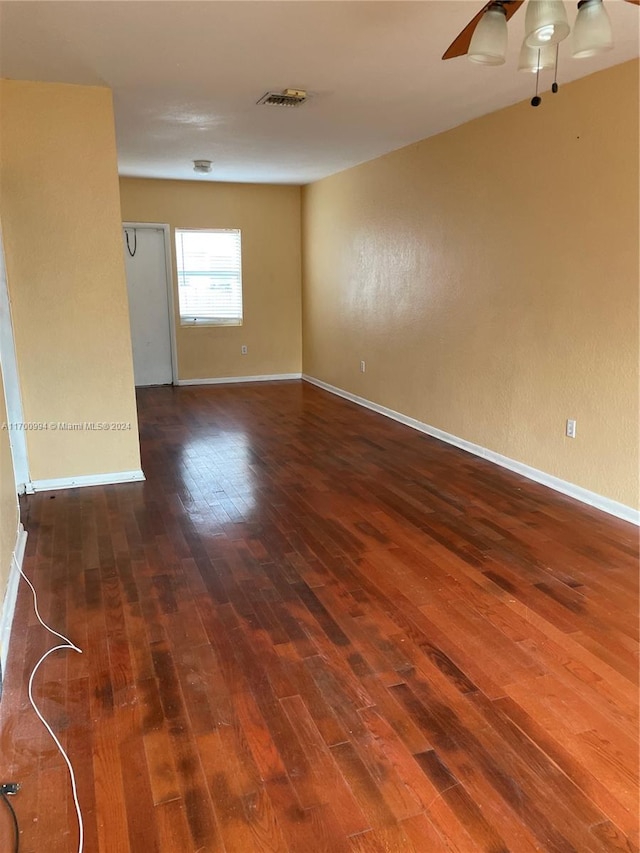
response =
{"points": [[209, 276]]}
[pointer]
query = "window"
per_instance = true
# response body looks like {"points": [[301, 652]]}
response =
{"points": [[209, 277]]}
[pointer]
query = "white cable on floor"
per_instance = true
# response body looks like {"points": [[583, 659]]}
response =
{"points": [[66, 645]]}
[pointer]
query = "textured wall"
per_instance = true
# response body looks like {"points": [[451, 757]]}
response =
{"points": [[489, 278], [269, 217], [60, 216]]}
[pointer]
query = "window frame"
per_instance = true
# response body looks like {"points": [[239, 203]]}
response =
{"points": [[189, 321]]}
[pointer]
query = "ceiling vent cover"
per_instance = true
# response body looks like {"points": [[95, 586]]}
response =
{"points": [[288, 98]]}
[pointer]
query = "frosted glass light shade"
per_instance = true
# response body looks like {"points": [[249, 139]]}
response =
{"points": [[546, 23], [536, 59], [592, 30], [489, 41]]}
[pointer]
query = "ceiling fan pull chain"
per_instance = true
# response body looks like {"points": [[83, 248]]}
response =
{"points": [[537, 100], [554, 87]]}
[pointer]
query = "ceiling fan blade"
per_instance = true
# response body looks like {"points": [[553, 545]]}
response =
{"points": [[460, 45], [635, 2]]}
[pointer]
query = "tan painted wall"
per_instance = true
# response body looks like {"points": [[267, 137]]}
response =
{"points": [[8, 510], [489, 278], [61, 228], [269, 217]]}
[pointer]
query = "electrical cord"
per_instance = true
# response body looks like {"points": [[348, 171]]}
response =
{"points": [[5, 798], [67, 644]]}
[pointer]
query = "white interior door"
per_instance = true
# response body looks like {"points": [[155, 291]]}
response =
{"points": [[149, 309]]}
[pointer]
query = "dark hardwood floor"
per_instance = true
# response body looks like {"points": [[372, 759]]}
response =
{"points": [[313, 629]]}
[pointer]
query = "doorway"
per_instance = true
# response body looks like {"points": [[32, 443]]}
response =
{"points": [[148, 269]]}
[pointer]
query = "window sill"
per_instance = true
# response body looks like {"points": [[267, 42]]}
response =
{"points": [[210, 324]]}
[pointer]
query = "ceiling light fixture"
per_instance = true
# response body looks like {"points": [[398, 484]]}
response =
{"points": [[546, 23], [489, 42], [536, 59], [202, 166], [592, 30], [484, 39]]}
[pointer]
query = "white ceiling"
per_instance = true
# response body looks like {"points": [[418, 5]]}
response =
{"points": [[186, 76]]}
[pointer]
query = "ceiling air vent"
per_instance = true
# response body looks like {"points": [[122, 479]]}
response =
{"points": [[288, 98]]}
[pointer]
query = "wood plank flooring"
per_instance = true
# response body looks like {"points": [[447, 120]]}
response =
{"points": [[313, 629]]}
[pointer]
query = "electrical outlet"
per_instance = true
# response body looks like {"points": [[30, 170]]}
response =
{"points": [[244, 349], [363, 367], [571, 428]]}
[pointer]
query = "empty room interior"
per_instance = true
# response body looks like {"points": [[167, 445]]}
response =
{"points": [[319, 406]]}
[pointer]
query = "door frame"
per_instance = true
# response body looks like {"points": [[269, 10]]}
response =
{"points": [[166, 236], [12, 390]]}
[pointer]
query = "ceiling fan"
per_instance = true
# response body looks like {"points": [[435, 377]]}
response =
{"points": [[546, 25]]}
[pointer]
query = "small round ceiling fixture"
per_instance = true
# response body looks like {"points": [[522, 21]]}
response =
{"points": [[202, 166]]}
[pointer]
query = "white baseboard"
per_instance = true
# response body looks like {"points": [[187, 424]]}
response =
{"points": [[85, 480], [10, 598], [584, 495], [226, 380]]}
